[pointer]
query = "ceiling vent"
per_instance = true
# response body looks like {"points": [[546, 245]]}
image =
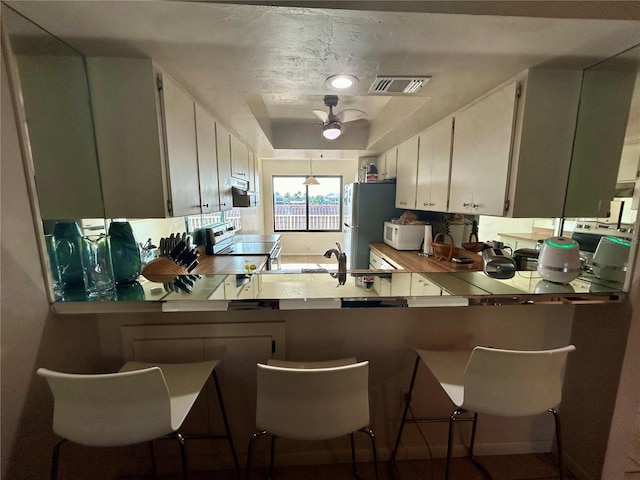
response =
{"points": [[398, 85]]}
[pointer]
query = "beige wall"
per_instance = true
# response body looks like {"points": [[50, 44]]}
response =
{"points": [[32, 337]]}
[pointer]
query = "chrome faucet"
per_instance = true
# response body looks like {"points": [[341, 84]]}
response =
{"points": [[342, 263]]}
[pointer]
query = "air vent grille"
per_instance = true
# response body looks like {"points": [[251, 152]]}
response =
{"points": [[398, 85]]}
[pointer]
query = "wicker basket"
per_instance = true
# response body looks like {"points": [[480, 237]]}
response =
{"points": [[474, 246], [442, 251]]}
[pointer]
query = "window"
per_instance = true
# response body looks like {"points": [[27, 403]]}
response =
{"points": [[307, 208]]}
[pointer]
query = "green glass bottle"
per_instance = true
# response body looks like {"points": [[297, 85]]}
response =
{"points": [[68, 249], [125, 253]]}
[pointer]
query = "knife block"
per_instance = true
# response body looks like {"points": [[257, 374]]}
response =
{"points": [[162, 270]]}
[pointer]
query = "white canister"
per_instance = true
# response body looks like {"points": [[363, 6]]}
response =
{"points": [[427, 248], [559, 260], [610, 259]]}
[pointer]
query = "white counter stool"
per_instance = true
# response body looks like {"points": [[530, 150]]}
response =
{"points": [[312, 401], [140, 403], [492, 381]]}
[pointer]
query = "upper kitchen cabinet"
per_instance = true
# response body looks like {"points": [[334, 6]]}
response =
{"points": [[254, 176], [387, 164], [407, 173], [434, 163], [52, 81], [207, 161], [147, 141], [607, 141], [239, 159], [223, 148], [512, 148]]}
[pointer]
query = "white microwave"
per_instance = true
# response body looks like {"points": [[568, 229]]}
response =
{"points": [[403, 237]]}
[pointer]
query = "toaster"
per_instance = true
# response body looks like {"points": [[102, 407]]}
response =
{"points": [[498, 264]]}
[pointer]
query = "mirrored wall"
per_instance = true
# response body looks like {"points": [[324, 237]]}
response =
{"points": [[53, 85]]}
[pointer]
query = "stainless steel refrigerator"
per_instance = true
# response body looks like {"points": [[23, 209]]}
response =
{"points": [[366, 207]]}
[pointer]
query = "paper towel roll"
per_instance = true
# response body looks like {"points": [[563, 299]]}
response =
{"points": [[427, 248]]}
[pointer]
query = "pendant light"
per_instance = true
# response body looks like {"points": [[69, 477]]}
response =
{"points": [[311, 180]]}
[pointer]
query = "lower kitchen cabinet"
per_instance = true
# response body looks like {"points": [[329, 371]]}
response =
{"points": [[421, 286], [401, 284], [237, 288]]}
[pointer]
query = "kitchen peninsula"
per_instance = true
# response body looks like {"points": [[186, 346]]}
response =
{"points": [[412, 261]]}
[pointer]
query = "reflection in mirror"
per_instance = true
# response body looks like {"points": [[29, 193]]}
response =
{"points": [[53, 85], [602, 126], [607, 148], [55, 94]]}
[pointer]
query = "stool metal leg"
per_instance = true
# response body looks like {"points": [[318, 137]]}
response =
{"points": [[183, 454], [254, 437], [556, 417], [56, 459], [154, 469], [272, 456], [452, 420], [406, 409], [353, 456], [473, 434], [374, 447], [226, 421]]}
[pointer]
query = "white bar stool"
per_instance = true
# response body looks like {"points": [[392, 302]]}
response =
{"points": [[313, 401], [492, 381], [140, 403]]}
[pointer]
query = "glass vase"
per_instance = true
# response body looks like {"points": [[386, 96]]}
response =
{"points": [[125, 253]]}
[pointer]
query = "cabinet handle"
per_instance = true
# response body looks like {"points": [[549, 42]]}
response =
{"points": [[432, 204], [475, 205], [205, 205], [466, 204]]}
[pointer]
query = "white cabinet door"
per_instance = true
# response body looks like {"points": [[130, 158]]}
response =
{"points": [[55, 95], [391, 163], [386, 163], [421, 285], [223, 149], [407, 174], [434, 162], [375, 261], [239, 159], [482, 154], [182, 151], [401, 284], [254, 176], [207, 161], [147, 141]]}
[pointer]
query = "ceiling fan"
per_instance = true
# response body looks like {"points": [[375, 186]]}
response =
{"points": [[332, 123]]}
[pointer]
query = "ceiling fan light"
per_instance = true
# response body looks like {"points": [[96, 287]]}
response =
{"points": [[331, 130], [341, 82]]}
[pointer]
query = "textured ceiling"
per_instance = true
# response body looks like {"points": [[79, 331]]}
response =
{"points": [[261, 68]]}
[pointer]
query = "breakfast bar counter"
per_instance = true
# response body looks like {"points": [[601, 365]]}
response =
{"points": [[412, 261]]}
